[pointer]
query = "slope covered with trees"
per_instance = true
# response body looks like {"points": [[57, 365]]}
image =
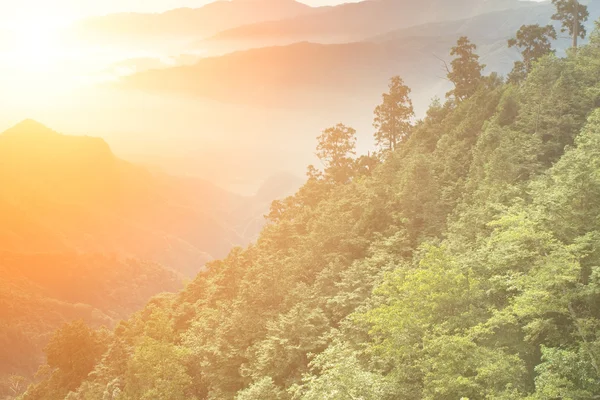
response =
{"points": [[41, 292], [461, 262], [87, 236]]}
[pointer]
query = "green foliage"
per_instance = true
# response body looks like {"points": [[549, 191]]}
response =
{"points": [[74, 350], [336, 149], [566, 374], [338, 374], [71, 355], [393, 116], [465, 70], [534, 42], [157, 372], [264, 389], [571, 14]]}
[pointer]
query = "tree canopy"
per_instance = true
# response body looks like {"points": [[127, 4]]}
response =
{"points": [[571, 14], [534, 42], [393, 115], [465, 70]]}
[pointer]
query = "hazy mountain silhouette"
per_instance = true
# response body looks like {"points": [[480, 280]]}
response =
{"points": [[317, 75], [68, 193], [187, 22], [351, 22]]}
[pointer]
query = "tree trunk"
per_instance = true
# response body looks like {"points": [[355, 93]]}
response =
{"points": [[575, 23]]}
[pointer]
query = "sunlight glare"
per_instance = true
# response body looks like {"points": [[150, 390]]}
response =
{"points": [[36, 57], [35, 44]]}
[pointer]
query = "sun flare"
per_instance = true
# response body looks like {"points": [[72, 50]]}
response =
{"points": [[40, 58], [35, 44]]}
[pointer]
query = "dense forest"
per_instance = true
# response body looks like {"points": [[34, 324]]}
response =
{"points": [[460, 261], [41, 292]]}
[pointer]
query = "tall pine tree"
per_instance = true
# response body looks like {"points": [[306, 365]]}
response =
{"points": [[571, 14], [393, 115], [465, 71]]}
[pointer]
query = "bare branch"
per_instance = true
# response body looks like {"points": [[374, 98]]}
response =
{"points": [[443, 62]]}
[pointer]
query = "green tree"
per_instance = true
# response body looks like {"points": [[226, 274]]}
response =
{"points": [[366, 164], [74, 350], [290, 338], [263, 389], [336, 149], [157, 368], [571, 14], [393, 115], [338, 374], [534, 42], [157, 372], [71, 355], [465, 70]]}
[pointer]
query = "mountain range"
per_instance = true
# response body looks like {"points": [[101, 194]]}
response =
{"points": [[354, 22], [289, 75], [64, 193], [460, 263], [187, 22]]}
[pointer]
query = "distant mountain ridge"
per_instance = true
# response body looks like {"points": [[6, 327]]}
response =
{"points": [[353, 22], [190, 22], [291, 75], [87, 201]]}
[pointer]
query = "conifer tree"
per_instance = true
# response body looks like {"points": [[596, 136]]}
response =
{"points": [[465, 70], [393, 115], [336, 149], [571, 14], [534, 42]]}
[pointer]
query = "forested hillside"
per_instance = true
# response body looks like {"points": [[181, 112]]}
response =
{"points": [[41, 292], [459, 262], [87, 236]]}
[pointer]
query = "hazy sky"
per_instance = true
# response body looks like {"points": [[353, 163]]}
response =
{"points": [[69, 9], [66, 10]]}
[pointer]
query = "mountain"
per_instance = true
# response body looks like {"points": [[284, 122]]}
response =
{"points": [[332, 76], [185, 23], [307, 76], [505, 22], [350, 22], [269, 76], [71, 194]]}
